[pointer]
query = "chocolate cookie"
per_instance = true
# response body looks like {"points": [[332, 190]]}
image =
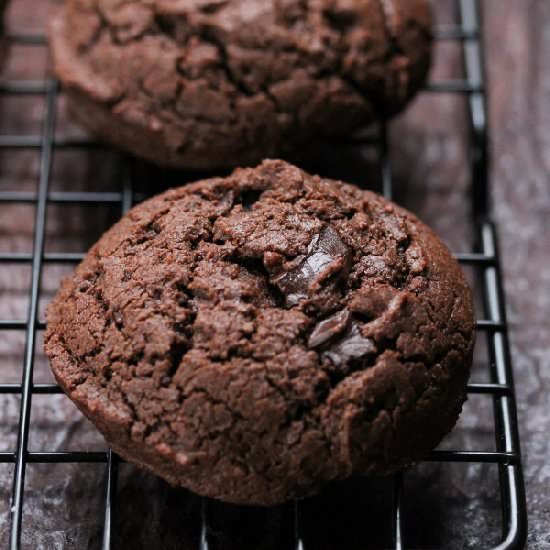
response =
{"points": [[208, 84], [254, 337]]}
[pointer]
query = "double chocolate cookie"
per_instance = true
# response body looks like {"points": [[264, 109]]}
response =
{"points": [[207, 84], [254, 337]]}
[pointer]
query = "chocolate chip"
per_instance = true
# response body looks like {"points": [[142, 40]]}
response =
{"points": [[327, 255], [352, 346], [329, 328]]}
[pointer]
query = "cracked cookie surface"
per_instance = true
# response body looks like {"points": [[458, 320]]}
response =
{"points": [[254, 337], [222, 83]]}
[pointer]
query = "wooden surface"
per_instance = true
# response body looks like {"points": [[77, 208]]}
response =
{"points": [[455, 507], [518, 40]]}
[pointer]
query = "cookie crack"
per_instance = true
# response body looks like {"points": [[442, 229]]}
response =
{"points": [[387, 8], [255, 266], [97, 35], [208, 36], [211, 38]]}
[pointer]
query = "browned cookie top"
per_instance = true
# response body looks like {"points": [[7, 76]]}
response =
{"points": [[255, 336], [211, 83]]}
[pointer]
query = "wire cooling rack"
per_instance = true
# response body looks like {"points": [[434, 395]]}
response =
{"points": [[485, 258]]}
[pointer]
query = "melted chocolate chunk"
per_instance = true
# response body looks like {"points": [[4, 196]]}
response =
{"points": [[352, 346], [329, 328], [327, 255]]}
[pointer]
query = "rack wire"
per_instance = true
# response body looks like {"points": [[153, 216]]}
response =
{"points": [[485, 258]]}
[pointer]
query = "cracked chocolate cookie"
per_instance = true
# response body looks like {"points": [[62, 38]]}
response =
{"points": [[254, 337], [210, 84]]}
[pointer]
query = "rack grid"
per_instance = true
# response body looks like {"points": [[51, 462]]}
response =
{"points": [[485, 258]]}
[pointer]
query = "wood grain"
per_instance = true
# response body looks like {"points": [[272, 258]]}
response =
{"points": [[518, 44]]}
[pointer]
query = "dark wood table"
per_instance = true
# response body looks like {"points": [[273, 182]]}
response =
{"points": [[518, 40]]}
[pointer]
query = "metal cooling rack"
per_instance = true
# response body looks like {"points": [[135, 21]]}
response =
{"points": [[485, 258]]}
